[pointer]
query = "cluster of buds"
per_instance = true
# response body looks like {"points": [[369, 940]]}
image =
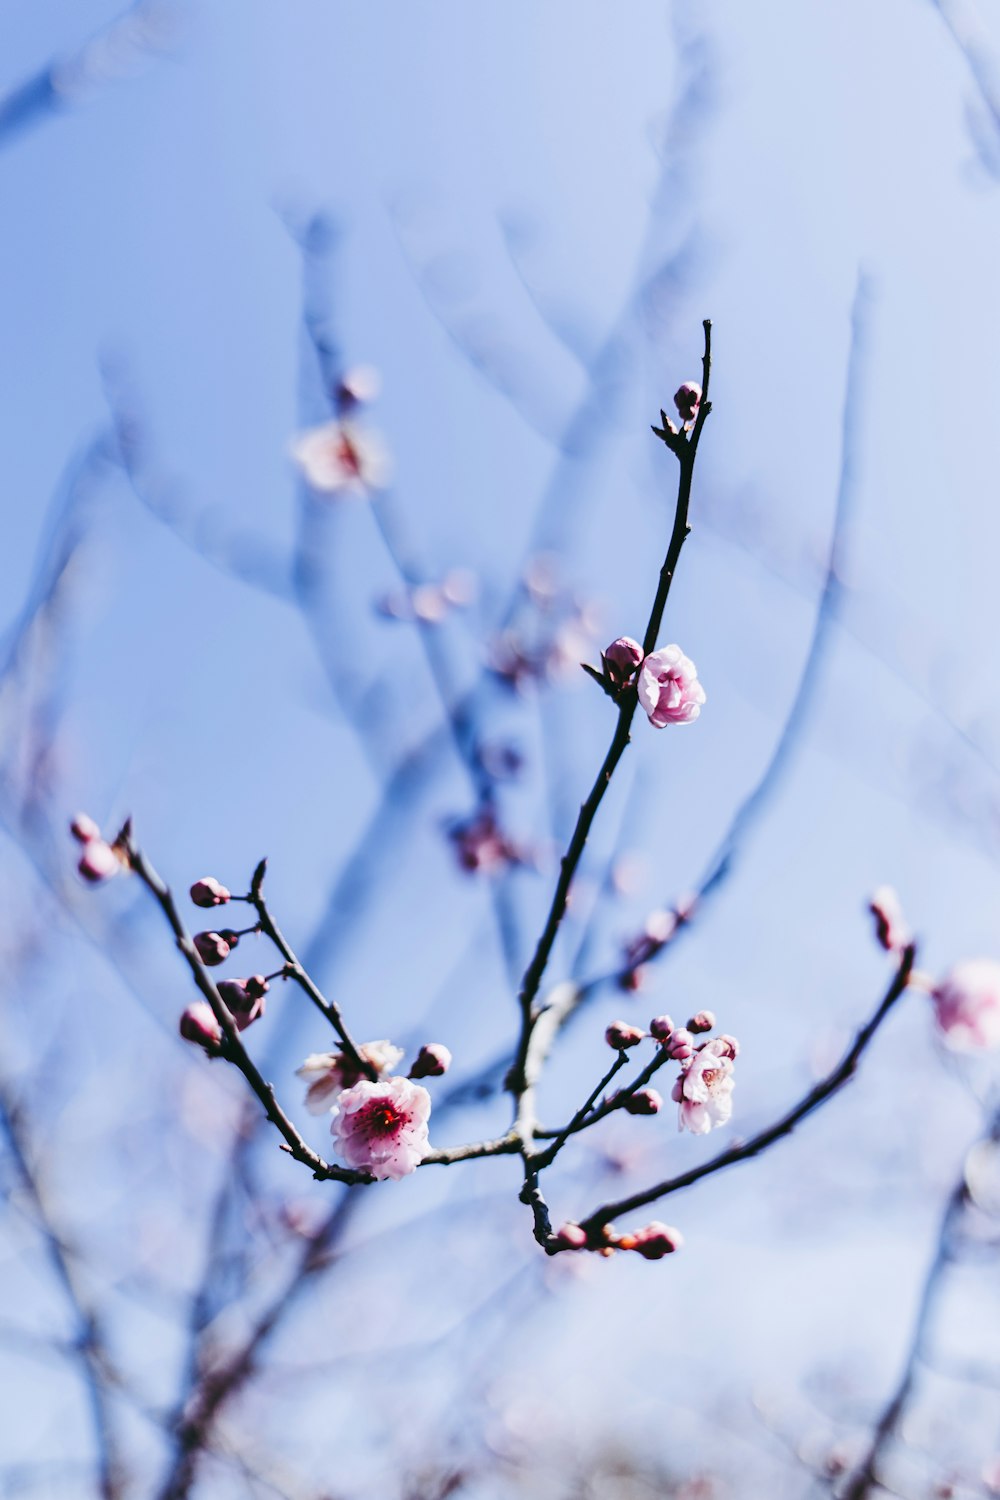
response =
{"points": [[430, 603], [666, 681], [243, 998], [343, 457], [379, 1122], [481, 846], [652, 1242], [99, 860], [704, 1086]]}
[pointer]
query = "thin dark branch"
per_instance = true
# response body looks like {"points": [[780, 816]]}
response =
{"points": [[295, 971], [90, 1344], [235, 1052], [782, 1127], [685, 450]]}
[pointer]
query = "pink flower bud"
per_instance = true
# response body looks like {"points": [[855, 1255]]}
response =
{"points": [[358, 386], [643, 1102], [209, 892], [680, 1045], [198, 1024], [657, 1240], [571, 1237], [84, 829], [621, 1035], [244, 1007], [256, 987], [687, 400], [890, 924], [211, 947], [662, 1028], [703, 1021], [98, 861], [433, 1059], [669, 689], [621, 660]]}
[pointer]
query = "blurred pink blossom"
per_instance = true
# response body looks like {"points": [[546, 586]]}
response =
{"points": [[669, 689], [704, 1091], [98, 861], [198, 1024], [342, 458], [329, 1073], [891, 929], [382, 1127], [967, 1005]]}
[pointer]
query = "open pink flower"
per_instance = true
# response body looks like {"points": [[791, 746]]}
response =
{"points": [[342, 458], [967, 1005], [669, 689], [382, 1127], [704, 1090], [329, 1073]]}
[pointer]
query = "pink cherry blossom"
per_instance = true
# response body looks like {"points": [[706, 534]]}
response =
{"points": [[329, 1073], [342, 458], [382, 1127], [704, 1091], [967, 1005], [669, 689]]}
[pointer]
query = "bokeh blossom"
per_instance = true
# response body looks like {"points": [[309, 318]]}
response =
{"points": [[329, 1073], [967, 1005], [342, 458], [381, 1127], [669, 689]]}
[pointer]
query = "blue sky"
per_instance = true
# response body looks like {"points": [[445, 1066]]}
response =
{"points": [[510, 181]]}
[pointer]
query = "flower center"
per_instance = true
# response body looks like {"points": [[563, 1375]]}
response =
{"points": [[347, 455], [384, 1119]]}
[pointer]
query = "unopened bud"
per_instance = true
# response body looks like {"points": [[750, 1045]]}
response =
{"points": [[84, 829], [687, 400], [358, 385], [198, 1024], [621, 659], [98, 861], [681, 1045], [211, 947], [703, 1021], [433, 1059], [891, 929], [657, 1240], [662, 1028], [244, 1007], [621, 1035], [643, 1102], [256, 986], [571, 1237], [209, 892], [631, 980]]}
